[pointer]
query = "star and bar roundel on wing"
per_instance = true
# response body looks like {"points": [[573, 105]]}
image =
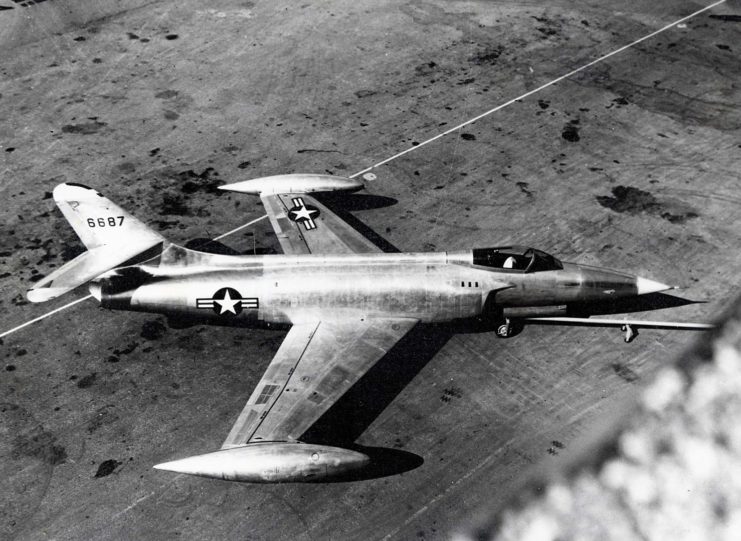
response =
{"points": [[303, 213], [227, 301]]}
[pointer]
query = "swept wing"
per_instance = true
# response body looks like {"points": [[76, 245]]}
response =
{"points": [[314, 366]]}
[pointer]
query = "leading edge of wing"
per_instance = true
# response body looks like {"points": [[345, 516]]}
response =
{"points": [[314, 366]]}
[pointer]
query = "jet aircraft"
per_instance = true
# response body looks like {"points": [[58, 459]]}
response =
{"points": [[346, 301]]}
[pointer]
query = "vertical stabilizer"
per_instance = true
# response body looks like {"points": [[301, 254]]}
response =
{"points": [[111, 235], [100, 222]]}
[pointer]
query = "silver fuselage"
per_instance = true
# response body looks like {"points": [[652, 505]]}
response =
{"points": [[288, 289]]}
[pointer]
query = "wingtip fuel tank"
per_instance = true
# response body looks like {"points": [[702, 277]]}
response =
{"points": [[271, 463], [296, 183]]}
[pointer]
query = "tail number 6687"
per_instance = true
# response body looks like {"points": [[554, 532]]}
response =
{"points": [[111, 221]]}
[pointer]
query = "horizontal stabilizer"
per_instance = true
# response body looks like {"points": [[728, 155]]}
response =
{"points": [[297, 183], [84, 268]]}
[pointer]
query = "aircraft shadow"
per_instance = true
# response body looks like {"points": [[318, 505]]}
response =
{"points": [[354, 412], [341, 204], [384, 462], [210, 246], [355, 201]]}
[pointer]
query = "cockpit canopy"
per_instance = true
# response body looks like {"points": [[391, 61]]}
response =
{"points": [[515, 258]]}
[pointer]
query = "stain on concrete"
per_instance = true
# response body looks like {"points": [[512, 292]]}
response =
{"points": [[167, 94], [40, 444], [468, 137], [173, 205], [450, 393], [727, 18], [550, 27], [128, 349], [426, 68], [523, 186], [205, 181], [570, 132], [365, 93], [87, 381], [624, 372], [153, 330], [488, 56], [84, 128], [630, 200], [106, 468], [125, 167], [163, 225], [304, 150], [71, 250]]}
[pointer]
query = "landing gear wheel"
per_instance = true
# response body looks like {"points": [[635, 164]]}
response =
{"points": [[630, 333], [505, 330]]}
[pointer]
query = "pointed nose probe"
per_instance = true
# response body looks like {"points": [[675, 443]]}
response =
{"points": [[644, 286]]}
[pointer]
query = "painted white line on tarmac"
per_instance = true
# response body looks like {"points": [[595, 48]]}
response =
{"points": [[27, 323], [240, 227], [541, 87]]}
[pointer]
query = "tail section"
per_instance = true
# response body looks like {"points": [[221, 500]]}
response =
{"points": [[111, 235]]}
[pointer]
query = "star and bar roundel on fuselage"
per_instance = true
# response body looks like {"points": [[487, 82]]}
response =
{"points": [[227, 301]]}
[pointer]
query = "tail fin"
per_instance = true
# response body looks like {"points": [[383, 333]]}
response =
{"points": [[111, 235]]}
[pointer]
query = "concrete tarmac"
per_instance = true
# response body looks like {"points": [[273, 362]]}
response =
{"points": [[631, 165]]}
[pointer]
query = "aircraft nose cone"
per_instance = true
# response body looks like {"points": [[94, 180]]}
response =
{"points": [[644, 286], [95, 290]]}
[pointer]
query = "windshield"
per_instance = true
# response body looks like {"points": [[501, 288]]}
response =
{"points": [[515, 258]]}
